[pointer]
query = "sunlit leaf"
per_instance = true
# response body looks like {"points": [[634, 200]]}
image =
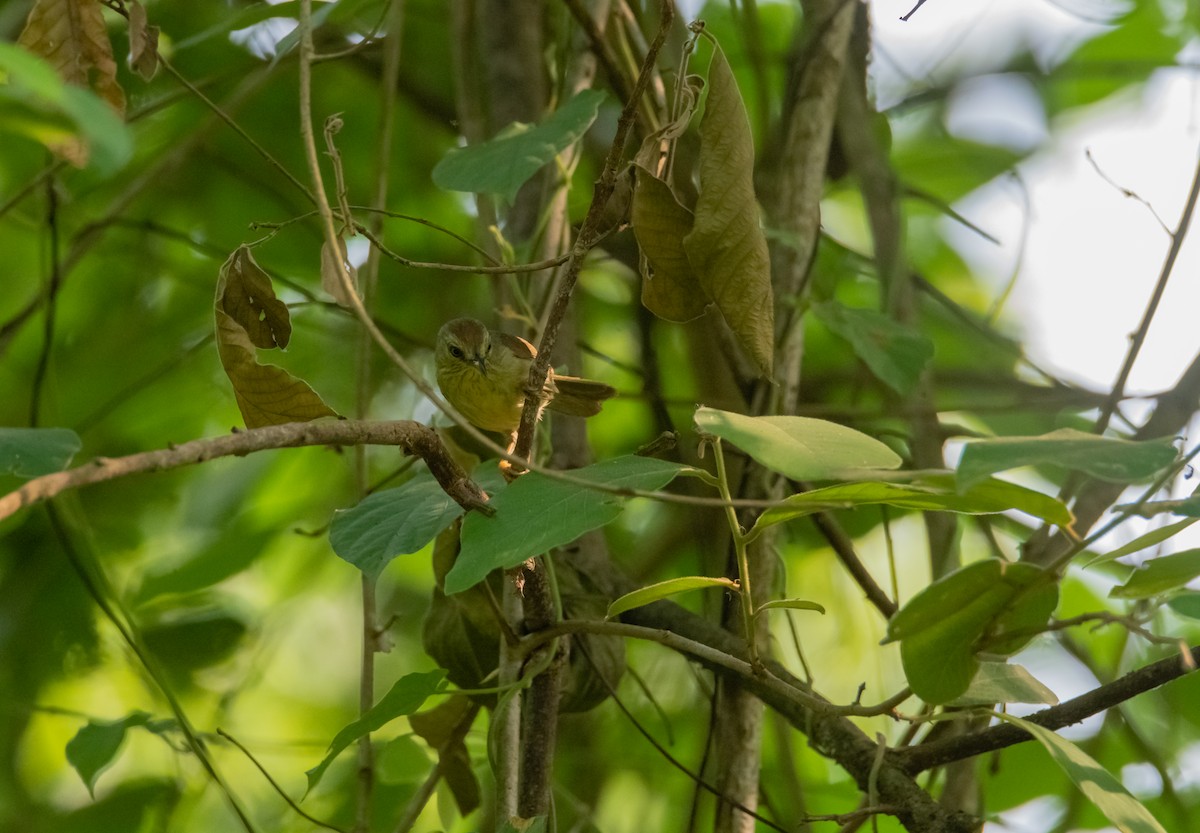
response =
{"points": [[984, 498], [663, 589], [670, 288], [897, 354], [32, 452], [1002, 682], [1119, 461], [95, 746], [1159, 575], [1097, 783], [801, 448], [726, 247], [248, 316], [503, 164], [404, 697], [398, 521], [537, 513]]}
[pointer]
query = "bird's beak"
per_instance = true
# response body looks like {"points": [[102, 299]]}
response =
{"points": [[481, 364]]}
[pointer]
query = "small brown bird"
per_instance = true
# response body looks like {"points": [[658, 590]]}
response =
{"points": [[483, 373]]}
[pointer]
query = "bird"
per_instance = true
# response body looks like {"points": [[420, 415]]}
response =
{"points": [[484, 374]]}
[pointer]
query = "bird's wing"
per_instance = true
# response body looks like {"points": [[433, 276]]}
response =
{"points": [[518, 346]]}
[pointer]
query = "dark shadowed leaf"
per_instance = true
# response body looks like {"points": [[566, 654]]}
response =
{"points": [[95, 746], [895, 353], [670, 288], [503, 164], [800, 447], [727, 248], [32, 452], [1119, 461], [537, 513], [249, 316]]}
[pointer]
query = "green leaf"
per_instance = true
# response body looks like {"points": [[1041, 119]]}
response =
{"points": [[663, 589], [799, 447], [190, 639], [726, 247], [95, 746], [1186, 604], [1000, 682], [1189, 507], [537, 513], [1097, 783], [1118, 461], [1159, 575], [896, 353], [402, 761], [1149, 539], [248, 316], [943, 627], [32, 452], [398, 521], [985, 498], [404, 698], [670, 288], [503, 164], [789, 604]]}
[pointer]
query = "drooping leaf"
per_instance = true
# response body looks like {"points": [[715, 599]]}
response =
{"points": [[404, 697], [1002, 682], [537, 513], [801, 448], [670, 288], [1097, 783], [503, 164], [249, 315], [72, 36], [1119, 461], [398, 521], [941, 628], [32, 452], [1159, 575], [95, 746], [726, 247], [1149, 539], [988, 497], [897, 354], [663, 589]]}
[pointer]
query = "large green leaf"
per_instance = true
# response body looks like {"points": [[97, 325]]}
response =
{"points": [[32, 452], [801, 448], [1119, 461], [726, 247], [670, 288], [942, 628], [405, 697], [1002, 682], [988, 497], [1097, 783], [248, 316], [95, 746], [1159, 575], [896, 353], [398, 521], [537, 513], [503, 164]]}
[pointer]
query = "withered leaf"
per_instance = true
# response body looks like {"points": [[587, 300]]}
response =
{"points": [[726, 247], [670, 288], [143, 42], [72, 37], [248, 315]]}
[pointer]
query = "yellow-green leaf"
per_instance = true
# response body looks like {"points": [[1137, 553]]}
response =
{"points": [[663, 589], [248, 315], [726, 247]]}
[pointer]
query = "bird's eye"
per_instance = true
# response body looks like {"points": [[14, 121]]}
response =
{"points": [[456, 352]]}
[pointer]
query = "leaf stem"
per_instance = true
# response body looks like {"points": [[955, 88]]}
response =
{"points": [[740, 541]]}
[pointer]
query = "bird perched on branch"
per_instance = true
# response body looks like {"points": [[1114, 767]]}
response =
{"points": [[484, 374]]}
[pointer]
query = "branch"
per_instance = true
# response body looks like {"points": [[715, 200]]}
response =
{"points": [[915, 759], [411, 437]]}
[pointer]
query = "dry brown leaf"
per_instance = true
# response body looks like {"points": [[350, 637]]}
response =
{"points": [[72, 37], [670, 288], [143, 41], [248, 316]]}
